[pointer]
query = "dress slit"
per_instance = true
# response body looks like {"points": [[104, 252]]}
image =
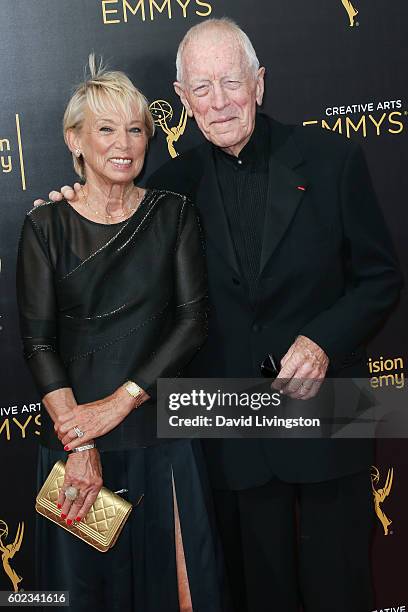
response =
{"points": [[183, 585]]}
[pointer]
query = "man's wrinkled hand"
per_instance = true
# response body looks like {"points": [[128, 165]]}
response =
{"points": [[303, 370], [71, 194]]}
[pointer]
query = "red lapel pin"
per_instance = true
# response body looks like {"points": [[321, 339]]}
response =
{"points": [[301, 188]]}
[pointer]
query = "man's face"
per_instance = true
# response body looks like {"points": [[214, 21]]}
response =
{"points": [[220, 90]]}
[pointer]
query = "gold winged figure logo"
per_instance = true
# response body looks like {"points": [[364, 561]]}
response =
{"points": [[162, 113], [381, 494], [351, 11], [9, 550]]}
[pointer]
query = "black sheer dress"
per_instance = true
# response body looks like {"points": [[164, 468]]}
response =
{"points": [[101, 304]]}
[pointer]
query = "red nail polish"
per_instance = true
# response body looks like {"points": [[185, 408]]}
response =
{"points": [[63, 516], [78, 519], [59, 506], [69, 522], [66, 448]]}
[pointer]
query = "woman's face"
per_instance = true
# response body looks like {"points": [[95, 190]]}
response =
{"points": [[113, 146]]}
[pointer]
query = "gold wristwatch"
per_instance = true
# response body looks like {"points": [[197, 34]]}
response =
{"points": [[133, 389]]}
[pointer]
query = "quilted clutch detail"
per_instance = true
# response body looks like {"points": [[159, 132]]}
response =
{"points": [[104, 521]]}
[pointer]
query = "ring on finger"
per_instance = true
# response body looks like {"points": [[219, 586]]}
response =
{"points": [[71, 493], [306, 387], [78, 432]]}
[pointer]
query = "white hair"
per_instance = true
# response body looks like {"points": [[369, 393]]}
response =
{"points": [[226, 24]]}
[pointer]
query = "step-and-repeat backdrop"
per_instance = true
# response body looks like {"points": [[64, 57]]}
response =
{"points": [[331, 64]]}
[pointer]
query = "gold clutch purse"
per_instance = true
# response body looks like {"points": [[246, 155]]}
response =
{"points": [[102, 524]]}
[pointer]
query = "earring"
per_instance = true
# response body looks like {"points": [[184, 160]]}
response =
{"points": [[77, 152]]}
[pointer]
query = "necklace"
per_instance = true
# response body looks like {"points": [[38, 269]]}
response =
{"points": [[109, 218]]}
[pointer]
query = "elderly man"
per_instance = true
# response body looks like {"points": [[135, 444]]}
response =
{"points": [[300, 265]]}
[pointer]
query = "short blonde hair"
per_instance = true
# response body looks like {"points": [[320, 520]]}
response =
{"points": [[103, 89]]}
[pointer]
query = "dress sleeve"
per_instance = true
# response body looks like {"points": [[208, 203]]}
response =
{"points": [[190, 320], [38, 310]]}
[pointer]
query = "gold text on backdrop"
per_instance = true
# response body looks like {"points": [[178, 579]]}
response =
{"points": [[394, 368], [368, 119], [6, 154], [17, 424], [119, 11]]}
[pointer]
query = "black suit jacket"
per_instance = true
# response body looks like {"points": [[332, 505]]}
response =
{"points": [[328, 271]]}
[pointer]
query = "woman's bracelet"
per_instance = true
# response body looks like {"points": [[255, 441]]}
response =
{"points": [[80, 449]]}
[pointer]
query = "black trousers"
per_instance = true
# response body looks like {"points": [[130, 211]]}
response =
{"points": [[287, 545]]}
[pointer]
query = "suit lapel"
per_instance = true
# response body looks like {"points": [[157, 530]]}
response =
{"points": [[212, 212], [284, 195]]}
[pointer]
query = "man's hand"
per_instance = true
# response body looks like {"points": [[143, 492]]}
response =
{"points": [[303, 369], [67, 192]]}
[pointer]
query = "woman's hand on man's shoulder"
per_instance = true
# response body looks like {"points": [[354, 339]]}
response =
{"points": [[71, 194]]}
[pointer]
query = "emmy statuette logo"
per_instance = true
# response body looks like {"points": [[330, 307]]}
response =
{"points": [[351, 11], [9, 550], [162, 113], [380, 494]]}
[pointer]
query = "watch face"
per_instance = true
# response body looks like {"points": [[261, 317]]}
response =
{"points": [[134, 389]]}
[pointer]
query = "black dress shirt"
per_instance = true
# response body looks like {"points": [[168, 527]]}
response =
{"points": [[243, 182]]}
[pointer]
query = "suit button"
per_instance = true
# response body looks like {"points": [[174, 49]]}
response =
{"points": [[256, 328], [236, 281]]}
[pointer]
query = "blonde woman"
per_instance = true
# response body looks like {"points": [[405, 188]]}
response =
{"points": [[112, 296]]}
